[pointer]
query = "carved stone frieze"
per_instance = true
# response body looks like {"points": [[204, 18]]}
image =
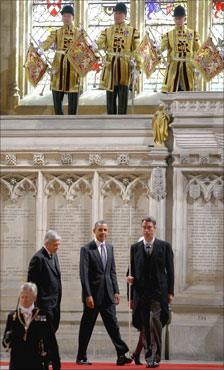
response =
{"points": [[208, 187], [39, 160], [68, 185], [158, 184]]}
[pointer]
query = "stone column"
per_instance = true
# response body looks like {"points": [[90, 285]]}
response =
{"points": [[13, 88], [198, 19], [95, 198], [40, 210]]}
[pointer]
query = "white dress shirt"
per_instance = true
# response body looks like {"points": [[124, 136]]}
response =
{"points": [[99, 246]]}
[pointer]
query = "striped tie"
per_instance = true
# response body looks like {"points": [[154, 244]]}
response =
{"points": [[103, 256]]}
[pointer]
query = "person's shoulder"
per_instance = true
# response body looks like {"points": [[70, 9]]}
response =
{"points": [[39, 256], [170, 32], [128, 25], [189, 30], [89, 245], [55, 30], [109, 28], [12, 314], [39, 253], [135, 245], [162, 242]]}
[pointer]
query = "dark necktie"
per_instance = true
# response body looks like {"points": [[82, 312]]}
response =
{"points": [[103, 255], [53, 260]]}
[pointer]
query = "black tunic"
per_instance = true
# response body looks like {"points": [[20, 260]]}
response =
{"points": [[32, 349]]}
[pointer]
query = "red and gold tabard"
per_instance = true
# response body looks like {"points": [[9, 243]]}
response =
{"points": [[63, 77], [119, 42], [181, 44]]}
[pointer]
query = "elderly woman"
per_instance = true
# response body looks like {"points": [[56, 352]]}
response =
{"points": [[30, 335]]}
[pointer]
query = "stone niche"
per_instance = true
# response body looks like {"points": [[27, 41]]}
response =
{"points": [[125, 202], [18, 237], [68, 175], [69, 211], [205, 252], [203, 233]]}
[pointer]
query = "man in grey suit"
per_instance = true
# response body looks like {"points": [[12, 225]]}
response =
{"points": [[44, 271], [100, 294]]}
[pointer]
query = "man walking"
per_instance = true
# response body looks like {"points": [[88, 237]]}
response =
{"points": [[100, 294], [152, 274], [44, 271]]}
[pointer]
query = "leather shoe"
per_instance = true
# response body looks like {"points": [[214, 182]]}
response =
{"points": [[83, 362], [136, 359], [122, 360], [152, 364]]}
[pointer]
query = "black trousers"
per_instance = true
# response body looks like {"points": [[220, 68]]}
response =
{"points": [[108, 314], [151, 328], [58, 97], [121, 93], [54, 315]]}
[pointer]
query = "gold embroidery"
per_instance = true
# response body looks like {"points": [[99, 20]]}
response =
{"points": [[26, 327]]}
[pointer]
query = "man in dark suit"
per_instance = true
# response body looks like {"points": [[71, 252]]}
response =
{"points": [[152, 278], [100, 293], [44, 271], [29, 335]]}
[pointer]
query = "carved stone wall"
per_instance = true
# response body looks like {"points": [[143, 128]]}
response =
{"points": [[198, 223], [76, 174]]}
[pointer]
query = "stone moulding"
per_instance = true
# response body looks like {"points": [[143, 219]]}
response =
{"points": [[207, 186]]}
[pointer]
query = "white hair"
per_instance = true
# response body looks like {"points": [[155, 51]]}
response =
{"points": [[51, 235], [31, 287]]}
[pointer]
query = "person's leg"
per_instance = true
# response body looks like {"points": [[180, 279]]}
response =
{"points": [[108, 314], [156, 330], [140, 345], [73, 99], [85, 331], [112, 101], [56, 318], [136, 354], [164, 314], [146, 330], [122, 99], [58, 99]]}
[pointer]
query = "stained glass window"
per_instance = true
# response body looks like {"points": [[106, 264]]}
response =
{"points": [[45, 17], [159, 20], [217, 31], [100, 16]]}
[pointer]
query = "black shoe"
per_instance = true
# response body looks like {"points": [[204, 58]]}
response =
{"points": [[136, 358], [152, 364], [83, 362], [122, 360]]}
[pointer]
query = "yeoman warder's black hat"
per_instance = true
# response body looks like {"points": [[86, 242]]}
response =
{"points": [[67, 9], [179, 11], [120, 7]]}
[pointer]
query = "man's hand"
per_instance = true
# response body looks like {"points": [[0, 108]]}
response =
{"points": [[131, 304], [170, 298], [130, 280], [116, 298], [90, 302]]}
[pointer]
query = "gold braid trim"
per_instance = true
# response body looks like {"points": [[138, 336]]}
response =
{"points": [[24, 324]]}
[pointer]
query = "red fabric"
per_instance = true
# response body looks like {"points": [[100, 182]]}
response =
{"points": [[113, 366]]}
